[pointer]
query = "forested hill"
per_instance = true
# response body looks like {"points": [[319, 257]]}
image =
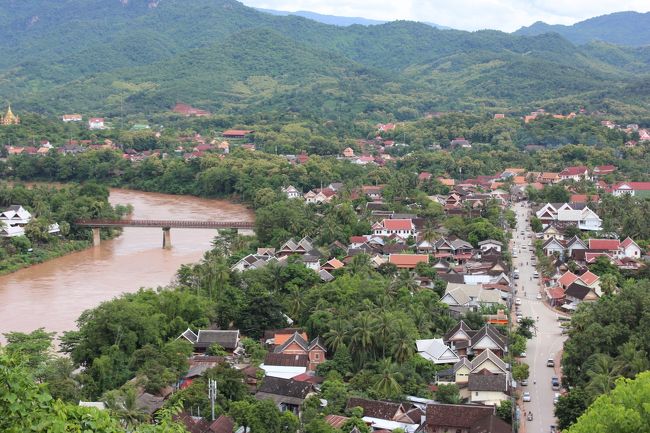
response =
{"points": [[622, 28], [94, 56]]}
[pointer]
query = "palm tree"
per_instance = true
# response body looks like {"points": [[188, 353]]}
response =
{"points": [[387, 384], [362, 337], [296, 302], [608, 284], [602, 374], [403, 342], [631, 360], [124, 405], [383, 327], [338, 334]]}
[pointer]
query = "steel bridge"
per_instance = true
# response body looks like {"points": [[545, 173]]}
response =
{"points": [[166, 225]]}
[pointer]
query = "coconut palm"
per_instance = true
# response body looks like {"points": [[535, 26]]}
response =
{"points": [[338, 334], [631, 360], [602, 374], [403, 339], [388, 380], [383, 329], [362, 337]]}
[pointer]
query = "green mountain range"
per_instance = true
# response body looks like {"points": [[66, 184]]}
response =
{"points": [[621, 28], [142, 56]]}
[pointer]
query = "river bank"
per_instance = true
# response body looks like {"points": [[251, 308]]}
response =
{"points": [[41, 254], [54, 293]]}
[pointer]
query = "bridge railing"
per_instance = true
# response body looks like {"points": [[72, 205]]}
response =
{"points": [[165, 223]]}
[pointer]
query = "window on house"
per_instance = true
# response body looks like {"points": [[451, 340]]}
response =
{"points": [[317, 356], [477, 393]]}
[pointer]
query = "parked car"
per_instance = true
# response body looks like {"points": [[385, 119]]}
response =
{"points": [[550, 362], [524, 382], [556, 398], [535, 274], [526, 396], [539, 296], [518, 301], [555, 383]]}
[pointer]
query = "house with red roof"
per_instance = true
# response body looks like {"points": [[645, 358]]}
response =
{"points": [[424, 176], [403, 228], [188, 110], [584, 198], [408, 261], [629, 249], [237, 133], [575, 173], [636, 189], [603, 170], [96, 123]]}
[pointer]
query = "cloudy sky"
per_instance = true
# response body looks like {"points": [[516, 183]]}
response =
{"points": [[506, 15]]}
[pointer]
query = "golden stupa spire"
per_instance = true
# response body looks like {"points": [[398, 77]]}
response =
{"points": [[10, 118]]}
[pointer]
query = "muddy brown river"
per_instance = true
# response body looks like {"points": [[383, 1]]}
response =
{"points": [[53, 294]]}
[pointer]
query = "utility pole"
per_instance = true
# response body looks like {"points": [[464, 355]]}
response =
{"points": [[212, 394]]}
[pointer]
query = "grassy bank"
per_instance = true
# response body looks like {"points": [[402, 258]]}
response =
{"points": [[40, 254]]}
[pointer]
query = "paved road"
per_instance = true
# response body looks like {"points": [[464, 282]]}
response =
{"points": [[547, 343]]}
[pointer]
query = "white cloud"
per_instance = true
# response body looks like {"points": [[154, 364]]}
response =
{"points": [[507, 15]]}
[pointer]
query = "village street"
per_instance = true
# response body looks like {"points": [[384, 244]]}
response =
{"points": [[547, 339]]}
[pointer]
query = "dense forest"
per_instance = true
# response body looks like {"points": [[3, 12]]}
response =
{"points": [[106, 58]]}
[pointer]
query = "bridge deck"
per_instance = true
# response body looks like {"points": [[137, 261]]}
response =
{"points": [[180, 224]]}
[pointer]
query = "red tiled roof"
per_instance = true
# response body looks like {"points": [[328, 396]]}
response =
{"points": [[627, 242], [604, 169], [573, 171], [635, 186], [589, 278], [336, 421], [357, 239], [592, 257], [397, 224], [604, 244], [555, 293], [424, 176], [584, 198], [567, 279], [237, 132], [408, 260]]}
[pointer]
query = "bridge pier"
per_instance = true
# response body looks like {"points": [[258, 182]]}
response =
{"points": [[167, 238], [97, 238]]}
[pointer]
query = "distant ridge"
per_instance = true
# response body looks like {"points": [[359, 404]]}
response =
{"points": [[338, 20], [620, 28]]}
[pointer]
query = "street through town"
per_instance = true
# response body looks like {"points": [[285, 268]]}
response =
{"points": [[547, 340]]}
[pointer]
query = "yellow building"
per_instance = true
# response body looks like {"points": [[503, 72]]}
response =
{"points": [[9, 118]]}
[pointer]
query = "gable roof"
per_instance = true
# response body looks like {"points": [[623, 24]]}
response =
{"points": [[226, 339], [284, 387], [376, 409], [286, 360], [488, 355], [574, 171], [460, 326], [576, 290], [589, 278], [189, 335], [604, 244], [408, 260], [397, 224], [567, 278], [627, 242], [436, 351], [491, 332], [456, 415], [486, 381], [295, 338]]}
